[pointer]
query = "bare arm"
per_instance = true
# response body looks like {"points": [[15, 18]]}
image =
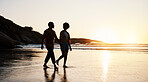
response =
{"points": [[69, 42], [42, 44], [42, 41], [57, 38]]}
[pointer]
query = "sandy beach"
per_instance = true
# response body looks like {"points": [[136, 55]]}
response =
{"points": [[25, 65]]}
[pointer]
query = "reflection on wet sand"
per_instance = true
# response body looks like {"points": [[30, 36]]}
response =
{"points": [[10, 57], [89, 66], [64, 78], [14, 61], [105, 62], [49, 78]]}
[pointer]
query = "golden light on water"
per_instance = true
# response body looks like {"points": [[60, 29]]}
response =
{"points": [[105, 62]]}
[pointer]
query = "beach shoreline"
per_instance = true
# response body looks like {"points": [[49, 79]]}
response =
{"points": [[84, 66]]}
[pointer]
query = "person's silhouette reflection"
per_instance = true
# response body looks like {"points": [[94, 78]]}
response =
{"points": [[64, 78], [49, 78]]}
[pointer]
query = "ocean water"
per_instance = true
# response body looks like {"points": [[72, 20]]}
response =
{"points": [[119, 47], [86, 63]]}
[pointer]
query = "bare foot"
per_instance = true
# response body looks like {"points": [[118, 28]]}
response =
{"points": [[65, 66], [45, 66]]}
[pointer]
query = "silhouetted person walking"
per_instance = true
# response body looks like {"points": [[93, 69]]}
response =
{"points": [[64, 44], [49, 36]]}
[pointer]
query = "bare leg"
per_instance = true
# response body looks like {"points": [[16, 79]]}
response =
{"points": [[46, 60], [53, 59], [65, 57], [57, 61]]}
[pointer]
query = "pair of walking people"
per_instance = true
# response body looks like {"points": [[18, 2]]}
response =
{"points": [[49, 36]]}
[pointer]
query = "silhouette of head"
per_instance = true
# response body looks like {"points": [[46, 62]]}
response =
{"points": [[51, 25], [66, 25]]}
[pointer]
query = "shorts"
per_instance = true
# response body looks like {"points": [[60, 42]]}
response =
{"points": [[64, 46]]}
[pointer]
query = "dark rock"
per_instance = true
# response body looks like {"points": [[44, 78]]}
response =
{"points": [[83, 40], [6, 41], [17, 34], [28, 28], [12, 34]]}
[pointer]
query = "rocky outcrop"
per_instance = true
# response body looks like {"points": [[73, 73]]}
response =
{"points": [[83, 40], [12, 34]]}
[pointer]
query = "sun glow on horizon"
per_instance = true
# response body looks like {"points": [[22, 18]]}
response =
{"points": [[106, 35]]}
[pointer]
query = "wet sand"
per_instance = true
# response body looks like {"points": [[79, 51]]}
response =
{"points": [[25, 65]]}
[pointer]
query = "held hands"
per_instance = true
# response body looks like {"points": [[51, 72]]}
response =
{"points": [[42, 47], [70, 49]]}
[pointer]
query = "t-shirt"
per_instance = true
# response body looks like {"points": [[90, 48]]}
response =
{"points": [[49, 36], [64, 36]]}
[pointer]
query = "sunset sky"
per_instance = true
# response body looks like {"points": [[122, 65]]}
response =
{"points": [[112, 21]]}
